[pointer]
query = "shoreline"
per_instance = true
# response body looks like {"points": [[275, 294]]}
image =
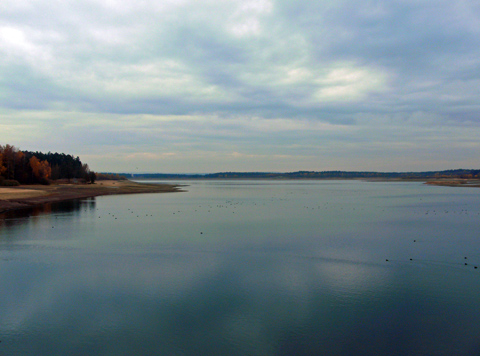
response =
{"points": [[456, 182], [26, 196], [446, 182]]}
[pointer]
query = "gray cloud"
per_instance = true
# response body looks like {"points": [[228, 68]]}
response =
{"points": [[187, 77]]}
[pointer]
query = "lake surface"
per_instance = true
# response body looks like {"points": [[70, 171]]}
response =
{"points": [[246, 268]]}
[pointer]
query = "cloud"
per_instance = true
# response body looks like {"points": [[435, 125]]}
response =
{"points": [[253, 77]]}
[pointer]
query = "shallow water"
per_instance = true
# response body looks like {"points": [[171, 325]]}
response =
{"points": [[246, 268]]}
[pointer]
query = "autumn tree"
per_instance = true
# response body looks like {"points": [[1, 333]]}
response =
{"points": [[63, 166], [34, 167], [40, 169]]}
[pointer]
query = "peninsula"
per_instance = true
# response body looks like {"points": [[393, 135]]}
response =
{"points": [[34, 178], [26, 196]]}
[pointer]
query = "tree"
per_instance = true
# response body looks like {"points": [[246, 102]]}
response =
{"points": [[3, 169], [34, 167], [40, 169], [85, 172], [22, 169], [56, 172], [9, 154], [92, 176]]}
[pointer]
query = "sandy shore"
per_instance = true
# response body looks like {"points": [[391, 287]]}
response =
{"points": [[32, 195], [446, 182], [475, 183]]}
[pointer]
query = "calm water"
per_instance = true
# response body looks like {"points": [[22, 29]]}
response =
{"points": [[246, 268]]}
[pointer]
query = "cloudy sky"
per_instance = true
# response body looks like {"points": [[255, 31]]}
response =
{"points": [[248, 85]]}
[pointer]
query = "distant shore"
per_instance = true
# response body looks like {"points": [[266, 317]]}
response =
{"points": [[26, 196], [474, 183], [446, 182]]}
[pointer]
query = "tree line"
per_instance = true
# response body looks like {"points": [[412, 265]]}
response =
{"points": [[453, 173], [26, 167]]}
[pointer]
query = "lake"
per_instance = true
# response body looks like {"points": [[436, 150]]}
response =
{"points": [[246, 268]]}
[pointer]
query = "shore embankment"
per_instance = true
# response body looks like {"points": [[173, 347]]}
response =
{"points": [[445, 182], [455, 182], [32, 195]]}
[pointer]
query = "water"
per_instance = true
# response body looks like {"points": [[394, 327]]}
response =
{"points": [[246, 268]]}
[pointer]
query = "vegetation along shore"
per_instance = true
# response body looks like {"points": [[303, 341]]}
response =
{"points": [[33, 178]]}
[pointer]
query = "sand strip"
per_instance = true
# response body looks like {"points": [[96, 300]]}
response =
{"points": [[31, 195]]}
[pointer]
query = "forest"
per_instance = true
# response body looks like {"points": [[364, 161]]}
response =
{"points": [[25, 167], [454, 173]]}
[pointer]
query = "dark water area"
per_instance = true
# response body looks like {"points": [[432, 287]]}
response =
{"points": [[246, 268]]}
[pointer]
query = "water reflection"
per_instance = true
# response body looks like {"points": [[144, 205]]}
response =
{"points": [[21, 219], [250, 269], [210, 304]]}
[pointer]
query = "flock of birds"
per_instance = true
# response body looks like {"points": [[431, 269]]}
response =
{"points": [[231, 206], [464, 258]]}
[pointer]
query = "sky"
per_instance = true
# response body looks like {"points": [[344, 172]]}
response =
{"points": [[185, 86]]}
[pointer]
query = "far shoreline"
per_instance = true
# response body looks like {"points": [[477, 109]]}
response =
{"points": [[446, 182], [27, 196]]}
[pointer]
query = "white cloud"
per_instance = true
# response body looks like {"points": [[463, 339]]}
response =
{"points": [[246, 19], [16, 44], [348, 83]]}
